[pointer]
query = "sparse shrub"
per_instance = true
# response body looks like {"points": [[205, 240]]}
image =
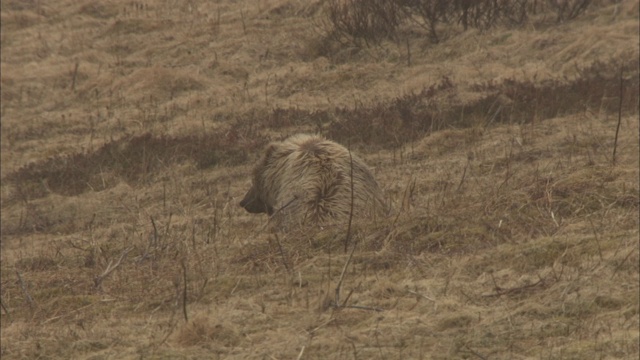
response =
{"points": [[431, 12], [369, 22], [568, 9]]}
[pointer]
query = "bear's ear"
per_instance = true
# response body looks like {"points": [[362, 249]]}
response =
{"points": [[268, 152]]}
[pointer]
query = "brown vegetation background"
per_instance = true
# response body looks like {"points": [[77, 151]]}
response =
{"points": [[509, 154]]}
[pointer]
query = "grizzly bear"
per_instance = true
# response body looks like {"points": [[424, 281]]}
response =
{"points": [[306, 179]]}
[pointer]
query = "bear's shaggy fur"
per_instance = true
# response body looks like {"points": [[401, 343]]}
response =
{"points": [[306, 179]]}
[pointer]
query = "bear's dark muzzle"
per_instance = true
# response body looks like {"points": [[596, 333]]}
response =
{"points": [[254, 205]]}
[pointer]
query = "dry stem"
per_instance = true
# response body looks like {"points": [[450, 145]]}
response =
{"points": [[98, 279]]}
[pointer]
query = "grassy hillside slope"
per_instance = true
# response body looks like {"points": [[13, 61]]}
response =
{"points": [[129, 129]]}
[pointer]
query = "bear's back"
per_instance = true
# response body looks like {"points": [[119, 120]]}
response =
{"points": [[316, 183]]}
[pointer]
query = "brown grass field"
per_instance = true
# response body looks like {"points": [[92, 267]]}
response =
{"points": [[129, 130]]}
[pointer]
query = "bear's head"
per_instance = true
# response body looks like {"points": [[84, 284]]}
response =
{"points": [[261, 197]]}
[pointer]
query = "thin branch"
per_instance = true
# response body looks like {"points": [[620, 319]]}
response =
{"points": [[464, 174], [363, 307], [421, 295], [244, 25], [284, 259], [74, 76], [321, 326], [622, 262], [98, 279], [347, 239], [595, 234], [408, 52], [295, 197], [24, 290], [153, 243], [501, 291], [480, 356], [615, 141], [184, 291], [300, 354], [344, 270], [6, 311]]}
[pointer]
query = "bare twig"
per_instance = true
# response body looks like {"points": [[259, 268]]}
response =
{"points": [[376, 335], [344, 270], [184, 291], [347, 239], [421, 295], [363, 307], [495, 284], [235, 287], [98, 279], [74, 76], [595, 234], [266, 91], [615, 141], [464, 174], [406, 199], [300, 354], [408, 53], [295, 197], [153, 242], [172, 327], [321, 325], [501, 291], [6, 311], [24, 290], [244, 25], [201, 292], [557, 277], [155, 233], [480, 356], [349, 296], [284, 259], [75, 311], [622, 262]]}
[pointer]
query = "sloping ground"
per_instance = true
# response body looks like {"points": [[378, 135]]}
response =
{"points": [[514, 233]]}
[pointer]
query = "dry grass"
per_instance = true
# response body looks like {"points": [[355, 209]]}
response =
{"points": [[128, 134]]}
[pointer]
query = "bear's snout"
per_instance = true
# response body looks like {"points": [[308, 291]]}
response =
{"points": [[253, 204]]}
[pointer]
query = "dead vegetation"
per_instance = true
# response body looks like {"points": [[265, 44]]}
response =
{"points": [[360, 22], [516, 200]]}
